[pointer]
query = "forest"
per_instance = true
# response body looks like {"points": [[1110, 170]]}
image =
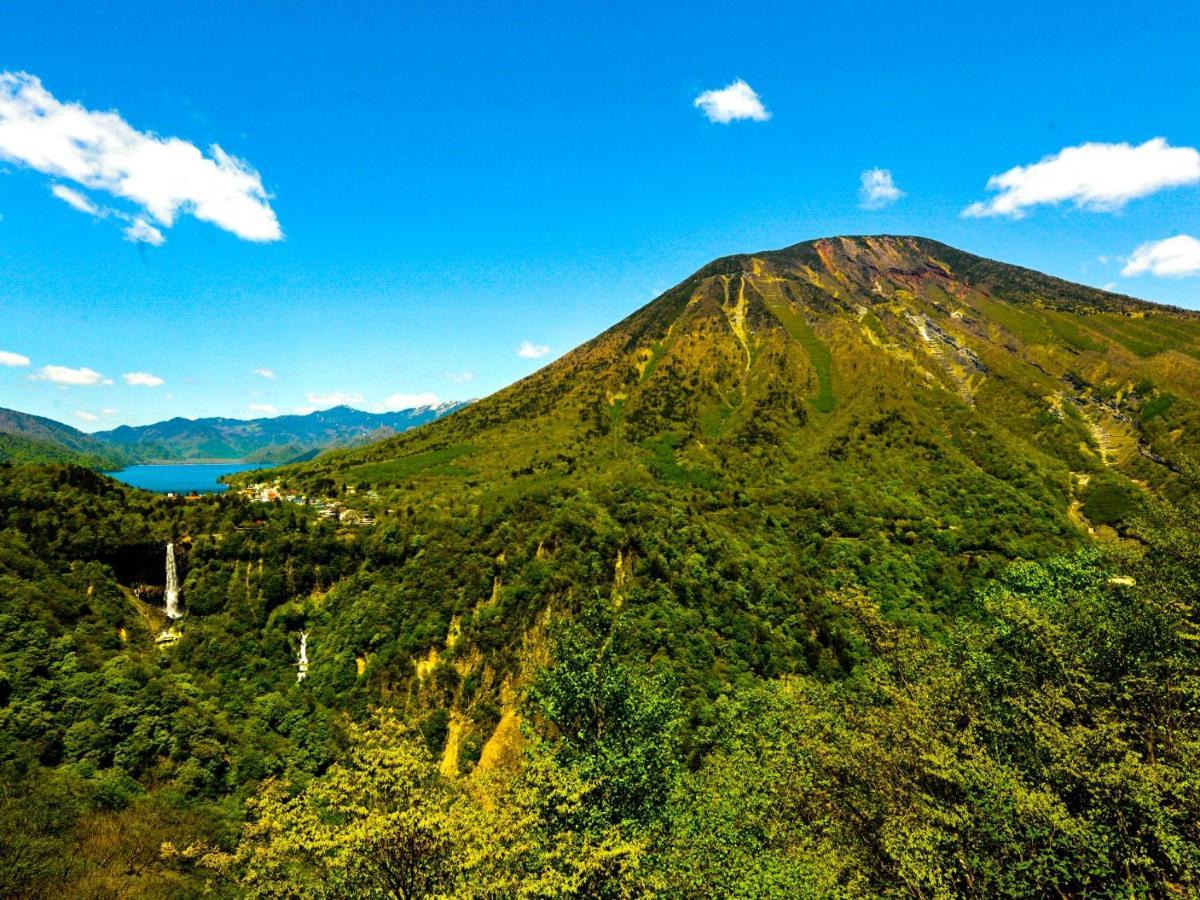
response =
{"points": [[585, 700]]}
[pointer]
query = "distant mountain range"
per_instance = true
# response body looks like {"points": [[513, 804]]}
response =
{"points": [[26, 438]]}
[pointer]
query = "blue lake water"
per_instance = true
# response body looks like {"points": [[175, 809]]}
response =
{"points": [[182, 478]]}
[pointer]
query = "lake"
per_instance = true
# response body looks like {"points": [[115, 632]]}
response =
{"points": [[182, 478]]}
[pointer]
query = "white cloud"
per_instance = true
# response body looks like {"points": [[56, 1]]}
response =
{"points": [[265, 408], [735, 101], [139, 231], [13, 359], [142, 379], [101, 151], [530, 350], [109, 411], [877, 189], [66, 376], [1098, 177], [461, 377], [407, 401], [334, 398], [86, 416], [304, 410], [264, 373], [73, 198], [1171, 257]]}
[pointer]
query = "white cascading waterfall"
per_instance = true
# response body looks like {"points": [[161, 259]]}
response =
{"points": [[172, 594], [303, 664]]}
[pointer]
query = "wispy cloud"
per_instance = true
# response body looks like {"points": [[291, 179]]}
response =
{"points": [[264, 408], [1172, 257], [136, 229], [100, 151], [142, 379], [334, 398], [8, 358], [76, 200], [68, 377], [731, 103], [530, 350], [139, 231], [877, 189], [407, 401], [86, 416], [1098, 177], [264, 373], [461, 377]]}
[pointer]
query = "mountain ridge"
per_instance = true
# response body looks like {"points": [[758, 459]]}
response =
{"points": [[25, 437], [265, 439]]}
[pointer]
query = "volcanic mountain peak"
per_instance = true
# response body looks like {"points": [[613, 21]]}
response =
{"points": [[899, 354]]}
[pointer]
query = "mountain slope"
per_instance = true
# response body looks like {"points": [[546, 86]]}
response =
{"points": [[836, 350], [275, 439], [26, 438], [882, 396]]}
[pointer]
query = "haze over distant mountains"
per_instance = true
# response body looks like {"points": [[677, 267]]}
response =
{"points": [[28, 438]]}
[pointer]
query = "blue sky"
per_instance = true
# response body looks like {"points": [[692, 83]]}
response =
{"points": [[449, 183]]}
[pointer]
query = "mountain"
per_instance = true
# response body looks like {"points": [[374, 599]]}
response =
{"points": [[26, 438], [275, 439], [881, 388], [785, 585]]}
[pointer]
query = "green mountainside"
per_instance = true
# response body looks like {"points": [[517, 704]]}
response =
{"points": [[26, 438], [823, 346], [862, 568], [862, 393]]}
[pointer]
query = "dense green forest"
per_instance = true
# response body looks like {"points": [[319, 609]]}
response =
{"points": [[1043, 740]]}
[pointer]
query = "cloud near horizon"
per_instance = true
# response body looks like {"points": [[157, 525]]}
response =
{"points": [[731, 103], [142, 379], [8, 358], [1095, 177], [264, 408], [530, 350], [877, 189], [100, 151], [1174, 257], [65, 376]]}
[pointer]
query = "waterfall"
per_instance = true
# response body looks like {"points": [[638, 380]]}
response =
{"points": [[303, 664], [172, 594]]}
